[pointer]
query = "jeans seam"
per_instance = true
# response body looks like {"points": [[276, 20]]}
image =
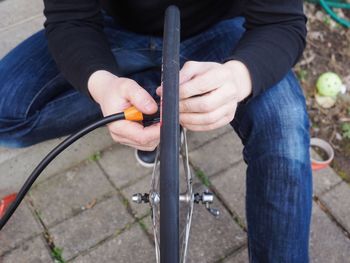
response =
{"points": [[38, 93], [75, 92]]}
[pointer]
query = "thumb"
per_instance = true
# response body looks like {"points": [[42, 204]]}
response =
{"points": [[140, 98]]}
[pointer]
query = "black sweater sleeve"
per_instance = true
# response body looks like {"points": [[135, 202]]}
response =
{"points": [[74, 30], [273, 42]]}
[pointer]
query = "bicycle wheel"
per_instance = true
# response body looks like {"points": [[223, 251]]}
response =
{"points": [[171, 222], [170, 140]]}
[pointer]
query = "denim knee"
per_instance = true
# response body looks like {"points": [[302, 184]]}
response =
{"points": [[276, 123]]}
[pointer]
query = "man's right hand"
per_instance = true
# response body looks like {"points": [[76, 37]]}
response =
{"points": [[116, 94]]}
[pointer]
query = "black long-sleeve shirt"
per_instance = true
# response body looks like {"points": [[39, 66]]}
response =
{"points": [[273, 41]]}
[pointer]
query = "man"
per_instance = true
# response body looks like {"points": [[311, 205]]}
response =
{"points": [[236, 58]]}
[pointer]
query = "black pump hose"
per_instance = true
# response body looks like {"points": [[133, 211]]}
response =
{"points": [[51, 156]]}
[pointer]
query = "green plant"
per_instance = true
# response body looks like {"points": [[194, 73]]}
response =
{"points": [[57, 255], [327, 20], [302, 75], [143, 225], [203, 177], [346, 130], [95, 157]]}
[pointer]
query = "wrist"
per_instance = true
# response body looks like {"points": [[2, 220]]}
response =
{"points": [[98, 83], [241, 77]]}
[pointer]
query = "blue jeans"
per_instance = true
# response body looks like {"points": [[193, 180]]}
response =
{"points": [[37, 103]]}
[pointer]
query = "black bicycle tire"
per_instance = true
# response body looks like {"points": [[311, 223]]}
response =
{"points": [[170, 139]]}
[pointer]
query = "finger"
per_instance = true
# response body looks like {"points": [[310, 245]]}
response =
{"points": [[194, 68], [135, 132], [125, 141], [139, 98], [159, 91], [222, 122], [149, 147], [201, 84], [207, 118], [190, 70], [142, 148], [207, 102]]}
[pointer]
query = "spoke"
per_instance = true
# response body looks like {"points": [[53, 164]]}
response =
{"points": [[156, 238], [188, 176], [155, 172], [155, 207]]}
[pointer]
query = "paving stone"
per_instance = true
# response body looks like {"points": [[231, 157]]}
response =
{"points": [[197, 139], [240, 257], [337, 202], [12, 36], [212, 238], [231, 187], [121, 165], [31, 251], [12, 12], [14, 171], [8, 154], [142, 186], [218, 154], [323, 179], [130, 246], [87, 229], [328, 243], [66, 194], [147, 223], [21, 226]]}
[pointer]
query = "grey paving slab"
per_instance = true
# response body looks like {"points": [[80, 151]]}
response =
{"points": [[15, 170], [337, 202], [11, 37], [15, 11], [197, 139], [66, 194], [120, 164], [7, 154], [328, 243], [323, 179], [212, 238], [231, 187], [142, 186], [130, 246], [87, 229], [218, 154], [240, 257], [147, 223], [20, 227], [31, 251]]}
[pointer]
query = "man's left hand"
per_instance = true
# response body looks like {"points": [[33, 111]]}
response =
{"points": [[210, 92]]}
